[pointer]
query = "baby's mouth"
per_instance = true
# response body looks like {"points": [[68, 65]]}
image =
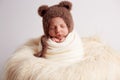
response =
{"points": [[59, 37]]}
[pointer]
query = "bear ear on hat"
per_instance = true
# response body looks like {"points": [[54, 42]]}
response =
{"points": [[66, 4], [42, 10]]}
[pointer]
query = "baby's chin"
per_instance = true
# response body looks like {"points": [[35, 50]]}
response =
{"points": [[58, 40]]}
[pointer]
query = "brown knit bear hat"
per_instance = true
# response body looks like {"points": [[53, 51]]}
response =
{"points": [[60, 10]]}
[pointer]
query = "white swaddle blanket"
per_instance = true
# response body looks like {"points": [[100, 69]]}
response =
{"points": [[71, 50]]}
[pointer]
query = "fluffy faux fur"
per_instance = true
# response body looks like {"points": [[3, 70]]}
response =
{"points": [[100, 63]]}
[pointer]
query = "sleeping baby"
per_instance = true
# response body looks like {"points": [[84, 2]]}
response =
{"points": [[59, 42]]}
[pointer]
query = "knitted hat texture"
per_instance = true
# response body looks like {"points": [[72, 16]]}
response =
{"points": [[61, 10]]}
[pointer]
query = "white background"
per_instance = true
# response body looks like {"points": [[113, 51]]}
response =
{"points": [[20, 22]]}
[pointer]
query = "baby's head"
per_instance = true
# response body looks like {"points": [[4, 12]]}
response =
{"points": [[57, 20]]}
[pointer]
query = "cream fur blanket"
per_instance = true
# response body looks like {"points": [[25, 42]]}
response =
{"points": [[100, 63]]}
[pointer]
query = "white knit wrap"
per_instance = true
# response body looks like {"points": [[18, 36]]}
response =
{"points": [[68, 51]]}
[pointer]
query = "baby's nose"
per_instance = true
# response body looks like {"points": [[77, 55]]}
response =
{"points": [[58, 29]]}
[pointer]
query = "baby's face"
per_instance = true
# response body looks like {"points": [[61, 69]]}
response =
{"points": [[58, 29]]}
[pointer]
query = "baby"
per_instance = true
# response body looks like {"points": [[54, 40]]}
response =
{"points": [[57, 23], [59, 42]]}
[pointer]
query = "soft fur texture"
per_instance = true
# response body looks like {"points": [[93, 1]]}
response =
{"points": [[100, 63]]}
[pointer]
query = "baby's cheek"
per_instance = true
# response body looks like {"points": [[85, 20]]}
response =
{"points": [[51, 33]]}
